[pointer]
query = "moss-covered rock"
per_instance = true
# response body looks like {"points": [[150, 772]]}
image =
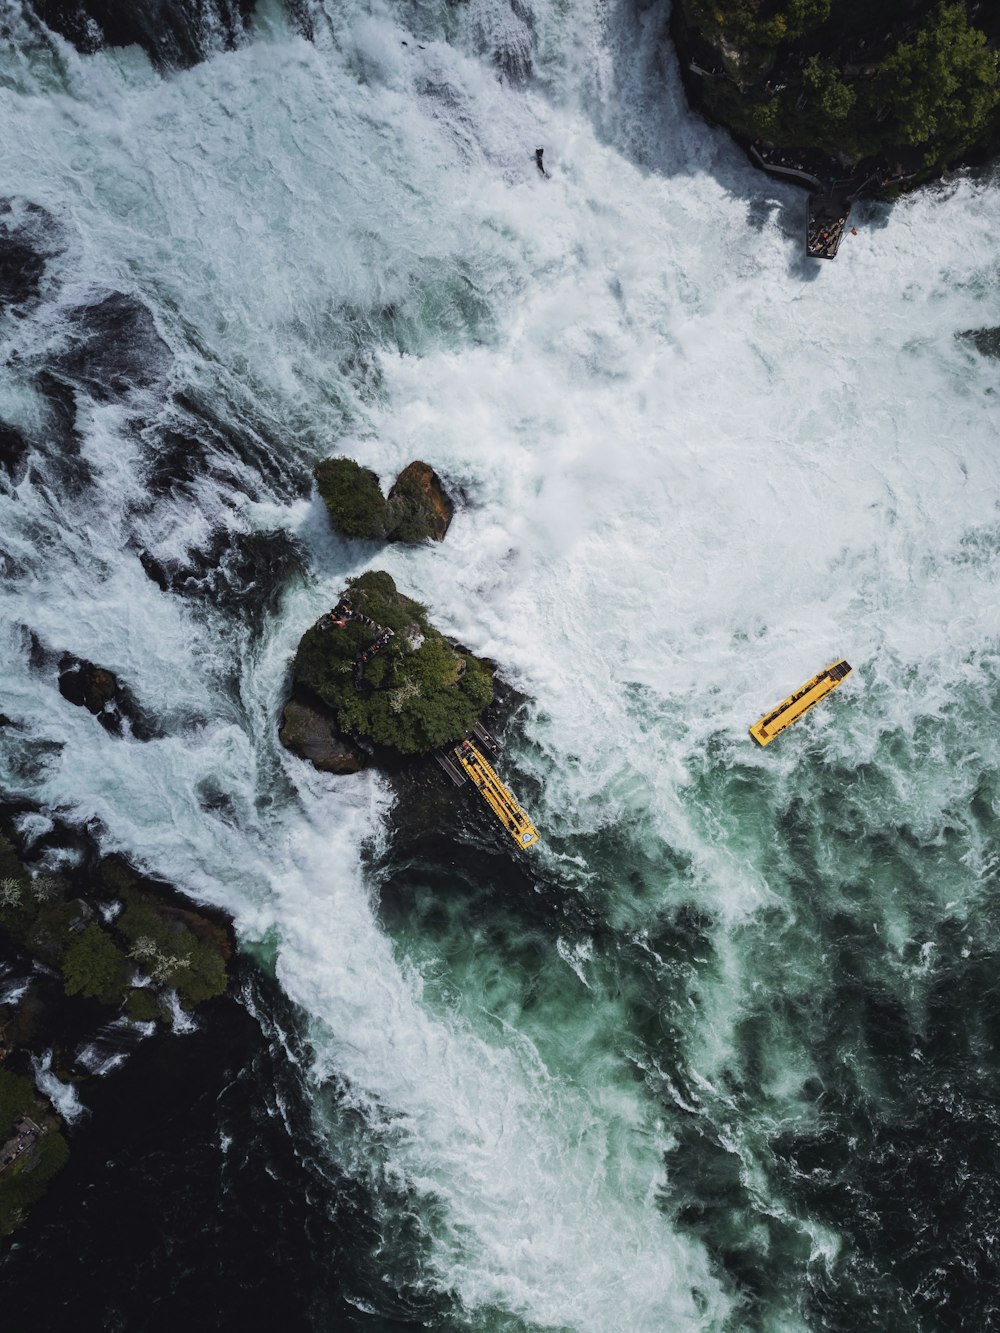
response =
{"points": [[415, 694], [353, 498], [417, 509]]}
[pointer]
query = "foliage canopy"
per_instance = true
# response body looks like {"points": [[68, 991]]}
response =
{"points": [[415, 695]]}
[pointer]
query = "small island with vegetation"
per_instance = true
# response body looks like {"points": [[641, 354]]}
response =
{"points": [[416, 509], [375, 672]]}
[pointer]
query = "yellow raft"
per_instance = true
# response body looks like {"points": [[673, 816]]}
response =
{"points": [[792, 708]]}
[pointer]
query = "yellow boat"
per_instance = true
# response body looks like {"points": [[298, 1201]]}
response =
{"points": [[792, 708], [494, 793]]}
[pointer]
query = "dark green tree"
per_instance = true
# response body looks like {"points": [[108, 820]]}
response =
{"points": [[834, 98], [941, 88], [93, 966]]}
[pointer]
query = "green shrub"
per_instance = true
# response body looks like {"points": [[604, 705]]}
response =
{"points": [[93, 966], [142, 1005]]}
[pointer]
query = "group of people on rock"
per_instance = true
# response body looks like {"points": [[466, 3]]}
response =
{"points": [[338, 618]]}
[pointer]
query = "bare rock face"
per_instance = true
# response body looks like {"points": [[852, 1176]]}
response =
{"points": [[99, 691], [309, 732], [418, 505]]}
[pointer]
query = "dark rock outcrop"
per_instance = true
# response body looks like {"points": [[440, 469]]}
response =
{"points": [[309, 730], [176, 35], [99, 691], [418, 506], [114, 349], [240, 572]]}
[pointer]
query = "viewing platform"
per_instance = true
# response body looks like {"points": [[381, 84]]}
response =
{"points": [[25, 1134]]}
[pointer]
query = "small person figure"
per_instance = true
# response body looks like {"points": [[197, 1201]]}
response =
{"points": [[538, 161], [854, 231]]}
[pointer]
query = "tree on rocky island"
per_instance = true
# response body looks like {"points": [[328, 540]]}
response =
{"points": [[911, 83], [414, 695], [94, 967]]}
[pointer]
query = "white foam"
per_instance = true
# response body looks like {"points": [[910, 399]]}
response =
{"points": [[63, 1096]]}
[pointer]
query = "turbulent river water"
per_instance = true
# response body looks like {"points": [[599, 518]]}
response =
{"points": [[721, 1053]]}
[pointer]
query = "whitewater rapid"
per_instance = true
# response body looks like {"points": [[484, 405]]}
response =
{"points": [[693, 470]]}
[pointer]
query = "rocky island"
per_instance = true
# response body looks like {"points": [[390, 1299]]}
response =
{"points": [[416, 509], [375, 672]]}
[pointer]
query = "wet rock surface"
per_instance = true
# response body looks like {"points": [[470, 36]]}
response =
{"points": [[177, 35], [239, 572], [114, 348], [29, 238], [308, 729], [98, 690]]}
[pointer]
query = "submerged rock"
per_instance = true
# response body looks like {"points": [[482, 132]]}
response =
{"points": [[309, 731], [985, 341], [417, 509], [114, 348], [13, 454], [99, 691], [29, 238], [239, 572]]}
